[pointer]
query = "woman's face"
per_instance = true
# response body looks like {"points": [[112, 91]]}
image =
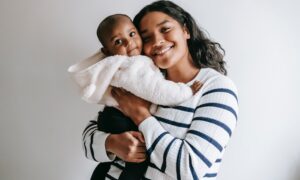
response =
{"points": [[165, 40]]}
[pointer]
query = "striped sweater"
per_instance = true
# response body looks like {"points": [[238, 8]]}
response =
{"points": [[186, 141]]}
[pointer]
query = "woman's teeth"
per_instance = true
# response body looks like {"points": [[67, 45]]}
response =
{"points": [[159, 52]]}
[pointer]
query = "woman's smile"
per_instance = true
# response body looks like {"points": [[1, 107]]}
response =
{"points": [[161, 51]]}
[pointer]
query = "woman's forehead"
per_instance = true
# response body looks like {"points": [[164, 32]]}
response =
{"points": [[154, 19]]}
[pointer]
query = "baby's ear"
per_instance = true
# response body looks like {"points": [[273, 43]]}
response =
{"points": [[105, 51]]}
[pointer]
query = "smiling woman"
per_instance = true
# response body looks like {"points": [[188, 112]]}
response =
{"points": [[136, 74], [164, 39], [184, 141]]}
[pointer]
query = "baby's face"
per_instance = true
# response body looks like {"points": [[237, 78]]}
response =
{"points": [[123, 39]]}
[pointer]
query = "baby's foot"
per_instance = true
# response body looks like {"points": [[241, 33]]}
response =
{"points": [[196, 86]]}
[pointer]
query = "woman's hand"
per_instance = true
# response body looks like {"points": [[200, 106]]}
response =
{"points": [[129, 146], [132, 106]]}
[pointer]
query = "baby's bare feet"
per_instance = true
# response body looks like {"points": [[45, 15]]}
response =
{"points": [[196, 86]]}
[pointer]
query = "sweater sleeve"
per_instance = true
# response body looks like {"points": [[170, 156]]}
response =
{"points": [[213, 122], [93, 142]]}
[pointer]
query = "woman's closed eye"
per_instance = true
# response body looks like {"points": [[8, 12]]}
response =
{"points": [[146, 39], [165, 29]]}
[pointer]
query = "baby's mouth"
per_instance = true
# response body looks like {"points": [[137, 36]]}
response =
{"points": [[133, 51]]}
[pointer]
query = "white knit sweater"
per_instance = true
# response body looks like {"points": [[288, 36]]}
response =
{"points": [[186, 141]]}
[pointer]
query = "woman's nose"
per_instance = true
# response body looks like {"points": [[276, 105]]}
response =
{"points": [[158, 40]]}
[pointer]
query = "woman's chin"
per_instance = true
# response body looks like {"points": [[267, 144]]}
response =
{"points": [[162, 64]]}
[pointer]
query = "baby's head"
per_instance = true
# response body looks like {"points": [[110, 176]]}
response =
{"points": [[119, 36]]}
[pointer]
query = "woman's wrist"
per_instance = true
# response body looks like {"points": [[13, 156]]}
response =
{"points": [[109, 143], [140, 116]]}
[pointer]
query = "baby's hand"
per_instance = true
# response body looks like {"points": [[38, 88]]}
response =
{"points": [[196, 86]]}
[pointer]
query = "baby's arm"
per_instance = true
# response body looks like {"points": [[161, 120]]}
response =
{"points": [[144, 79]]}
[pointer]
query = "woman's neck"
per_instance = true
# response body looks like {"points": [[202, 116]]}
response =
{"points": [[184, 71]]}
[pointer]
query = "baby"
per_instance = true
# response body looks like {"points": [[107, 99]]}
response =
{"points": [[121, 65]]}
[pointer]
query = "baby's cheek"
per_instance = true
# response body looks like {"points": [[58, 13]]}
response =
{"points": [[121, 52]]}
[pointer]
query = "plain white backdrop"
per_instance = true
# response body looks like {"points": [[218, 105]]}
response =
{"points": [[42, 116]]}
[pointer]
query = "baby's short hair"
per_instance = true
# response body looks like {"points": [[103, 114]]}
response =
{"points": [[106, 23]]}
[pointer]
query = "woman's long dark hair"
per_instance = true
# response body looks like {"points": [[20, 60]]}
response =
{"points": [[205, 53]]}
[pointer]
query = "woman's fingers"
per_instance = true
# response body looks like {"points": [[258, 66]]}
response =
{"points": [[118, 91], [115, 92], [196, 86], [138, 135], [139, 157], [136, 156], [127, 146]]}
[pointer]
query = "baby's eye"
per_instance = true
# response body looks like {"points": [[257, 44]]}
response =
{"points": [[118, 42], [131, 34]]}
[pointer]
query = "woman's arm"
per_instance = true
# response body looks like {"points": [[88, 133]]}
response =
{"points": [[93, 142], [213, 122], [102, 147]]}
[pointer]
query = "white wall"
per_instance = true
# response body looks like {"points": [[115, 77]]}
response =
{"points": [[42, 117]]}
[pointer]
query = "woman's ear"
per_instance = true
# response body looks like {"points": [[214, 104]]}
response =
{"points": [[186, 32]]}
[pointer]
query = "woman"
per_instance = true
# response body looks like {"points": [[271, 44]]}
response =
{"points": [[186, 141]]}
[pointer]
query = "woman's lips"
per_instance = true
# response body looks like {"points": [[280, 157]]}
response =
{"points": [[162, 51]]}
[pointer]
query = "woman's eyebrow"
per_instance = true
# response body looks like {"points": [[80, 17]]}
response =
{"points": [[163, 22], [159, 24]]}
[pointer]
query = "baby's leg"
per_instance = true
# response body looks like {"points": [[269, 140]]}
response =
{"points": [[112, 120], [134, 171], [100, 171]]}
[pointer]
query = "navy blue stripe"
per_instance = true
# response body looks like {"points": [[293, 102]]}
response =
{"points": [[91, 145], [207, 138], [110, 177], [218, 105], [151, 149], [154, 166], [210, 175], [164, 165], [88, 130], [178, 161], [117, 165], [90, 124], [216, 122], [218, 160], [195, 177], [221, 90], [200, 155], [85, 150], [178, 124], [182, 108]]}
